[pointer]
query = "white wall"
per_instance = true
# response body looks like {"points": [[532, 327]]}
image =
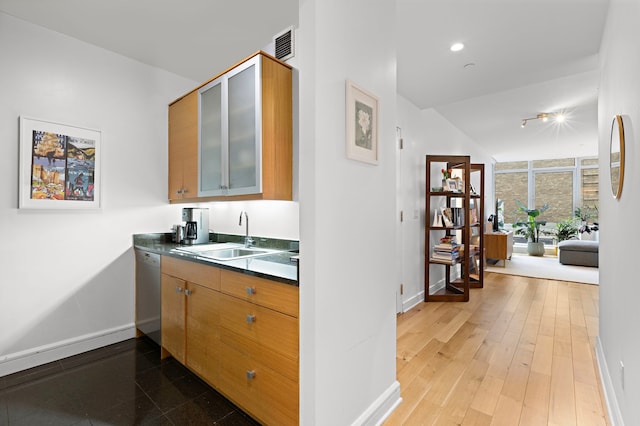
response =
{"points": [[426, 132], [275, 219], [347, 216], [68, 276], [619, 291]]}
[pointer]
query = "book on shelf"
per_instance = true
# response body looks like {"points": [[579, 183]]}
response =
{"points": [[474, 215], [444, 261], [444, 255], [446, 248], [458, 216]]}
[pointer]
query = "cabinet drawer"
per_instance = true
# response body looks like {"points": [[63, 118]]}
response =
{"points": [[207, 276], [264, 292], [275, 360], [265, 394], [268, 328]]}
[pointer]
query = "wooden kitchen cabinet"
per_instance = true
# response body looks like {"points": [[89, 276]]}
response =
{"points": [[241, 125], [238, 332], [190, 315], [203, 332], [271, 294], [259, 335], [172, 316], [183, 148], [264, 393]]}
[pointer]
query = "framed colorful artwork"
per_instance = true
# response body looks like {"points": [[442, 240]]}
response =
{"points": [[59, 166]]}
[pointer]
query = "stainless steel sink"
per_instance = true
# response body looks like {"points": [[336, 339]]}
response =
{"points": [[201, 248], [236, 253]]}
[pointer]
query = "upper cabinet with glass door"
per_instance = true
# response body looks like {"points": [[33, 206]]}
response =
{"points": [[245, 132]]}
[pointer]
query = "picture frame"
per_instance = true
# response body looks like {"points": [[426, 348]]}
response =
{"points": [[451, 185], [361, 124], [447, 217], [459, 184], [59, 166]]}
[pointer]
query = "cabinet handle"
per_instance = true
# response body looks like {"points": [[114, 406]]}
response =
{"points": [[251, 319], [178, 289], [251, 374], [251, 291], [188, 292]]}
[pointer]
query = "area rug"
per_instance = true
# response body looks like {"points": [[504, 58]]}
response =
{"points": [[546, 267]]}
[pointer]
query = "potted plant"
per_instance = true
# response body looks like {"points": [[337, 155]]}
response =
{"points": [[587, 231], [566, 230], [530, 228]]}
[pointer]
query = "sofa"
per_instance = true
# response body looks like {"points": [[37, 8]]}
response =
{"points": [[578, 252]]}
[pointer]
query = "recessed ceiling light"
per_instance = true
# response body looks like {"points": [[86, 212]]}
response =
{"points": [[456, 47]]}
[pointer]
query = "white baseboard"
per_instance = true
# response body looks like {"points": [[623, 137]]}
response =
{"points": [[615, 416], [412, 302], [416, 299], [381, 408], [436, 287], [18, 361]]}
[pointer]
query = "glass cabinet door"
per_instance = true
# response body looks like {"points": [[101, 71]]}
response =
{"points": [[244, 136], [211, 146], [230, 139]]}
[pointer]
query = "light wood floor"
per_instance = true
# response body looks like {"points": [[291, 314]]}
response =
{"points": [[520, 352]]}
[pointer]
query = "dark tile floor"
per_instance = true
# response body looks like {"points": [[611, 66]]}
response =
{"points": [[121, 384]]}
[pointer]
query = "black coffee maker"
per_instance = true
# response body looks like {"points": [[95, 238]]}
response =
{"points": [[196, 228]]}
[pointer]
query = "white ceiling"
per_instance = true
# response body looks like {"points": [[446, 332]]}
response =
{"points": [[529, 56]]}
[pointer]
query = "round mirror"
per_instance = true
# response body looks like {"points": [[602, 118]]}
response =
{"points": [[616, 160]]}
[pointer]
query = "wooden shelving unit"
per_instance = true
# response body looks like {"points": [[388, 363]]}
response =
{"points": [[466, 271], [477, 226]]}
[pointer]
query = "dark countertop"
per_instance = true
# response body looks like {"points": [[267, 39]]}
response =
{"points": [[278, 266]]}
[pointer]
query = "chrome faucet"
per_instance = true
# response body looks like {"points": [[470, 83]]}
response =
{"points": [[248, 241]]}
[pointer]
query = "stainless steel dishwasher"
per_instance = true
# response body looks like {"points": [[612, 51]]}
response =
{"points": [[148, 294]]}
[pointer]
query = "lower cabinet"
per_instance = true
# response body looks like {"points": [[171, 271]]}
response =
{"points": [[190, 330], [203, 340], [238, 332], [173, 308]]}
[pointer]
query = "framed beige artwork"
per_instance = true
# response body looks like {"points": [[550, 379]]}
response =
{"points": [[361, 124]]}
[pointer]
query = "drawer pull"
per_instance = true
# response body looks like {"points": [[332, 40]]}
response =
{"points": [[188, 292], [178, 289], [251, 318], [251, 374], [251, 291]]}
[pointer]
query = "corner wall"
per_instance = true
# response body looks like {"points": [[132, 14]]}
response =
{"points": [[619, 292], [67, 276], [347, 217], [426, 132]]}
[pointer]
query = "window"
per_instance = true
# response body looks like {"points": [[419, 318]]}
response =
{"points": [[565, 184], [556, 190], [511, 187]]}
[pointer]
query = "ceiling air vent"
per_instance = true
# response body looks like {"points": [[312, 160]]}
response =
{"points": [[284, 45]]}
